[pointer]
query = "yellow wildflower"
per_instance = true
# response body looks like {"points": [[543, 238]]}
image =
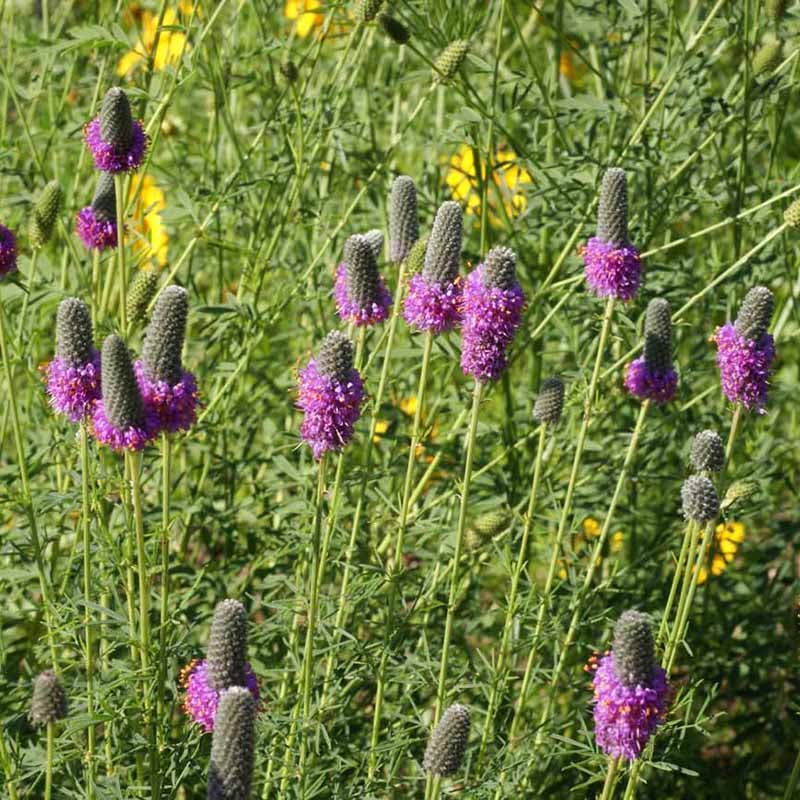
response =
{"points": [[150, 236], [304, 15], [464, 177], [728, 536], [617, 540], [591, 527], [381, 426]]}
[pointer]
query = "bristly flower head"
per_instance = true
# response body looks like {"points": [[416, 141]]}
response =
{"points": [[233, 745], [374, 239], [652, 376], [613, 266], [96, 225], [8, 251], [367, 10], [44, 214], [393, 28], [630, 690], [708, 452], [118, 142], [330, 394], [434, 295], [448, 742], [403, 221], [768, 56], [169, 392], [549, 402], [699, 499], [73, 376], [361, 296], [202, 700], [447, 65], [745, 351], [142, 291], [492, 312], [120, 418], [49, 703]]}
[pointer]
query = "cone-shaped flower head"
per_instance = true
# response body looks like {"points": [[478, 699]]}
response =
{"points": [[448, 742], [651, 376], [120, 419], [233, 746], [745, 351], [330, 394], [403, 221], [361, 296], [699, 499], [96, 225], [44, 214], [434, 295], [227, 646], [116, 140], [492, 522], [613, 267], [367, 10], [768, 56], [792, 215], [447, 65], [73, 376], [169, 391], [393, 28], [549, 402], [49, 703], [630, 689], [374, 239], [416, 257], [142, 291], [8, 251], [492, 312], [708, 452]]}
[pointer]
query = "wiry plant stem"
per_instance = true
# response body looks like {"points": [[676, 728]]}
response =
{"points": [[122, 277], [48, 774]]}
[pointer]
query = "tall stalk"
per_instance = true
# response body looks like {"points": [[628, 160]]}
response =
{"points": [[87, 599], [122, 277], [48, 770]]}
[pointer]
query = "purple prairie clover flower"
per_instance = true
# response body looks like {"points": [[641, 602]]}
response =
{"points": [[360, 293], [625, 717], [96, 225], [8, 251], [202, 700], [73, 376], [492, 312], [652, 376], [118, 142], [330, 394], [175, 405]]}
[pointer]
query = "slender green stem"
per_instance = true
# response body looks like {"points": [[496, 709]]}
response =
{"points": [[611, 778], [27, 297], [522, 559], [87, 599], [48, 773], [6, 761], [794, 779], [96, 298], [689, 532], [454, 575], [166, 489], [122, 277]]}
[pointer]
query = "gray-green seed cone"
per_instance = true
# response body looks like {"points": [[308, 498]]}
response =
{"points": [[792, 215], [335, 356], [49, 703], [755, 313], [447, 65], [443, 255], [658, 336], [233, 743], [612, 210], [491, 522], [499, 271], [163, 339], [416, 258], [739, 492], [403, 222], [393, 28], [699, 498], [116, 119], [367, 10], [74, 337], [363, 278], [121, 398], [374, 239], [142, 291], [768, 56], [448, 742], [289, 71], [45, 214], [634, 650], [104, 202], [550, 401], [708, 452], [227, 646]]}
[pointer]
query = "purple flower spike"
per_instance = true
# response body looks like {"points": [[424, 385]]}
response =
{"points": [[175, 405], [431, 307], [330, 394], [648, 384], [133, 437], [652, 377], [8, 251], [744, 366], [492, 312], [95, 233], [113, 159], [626, 716], [73, 388], [360, 293], [611, 270], [201, 700]]}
